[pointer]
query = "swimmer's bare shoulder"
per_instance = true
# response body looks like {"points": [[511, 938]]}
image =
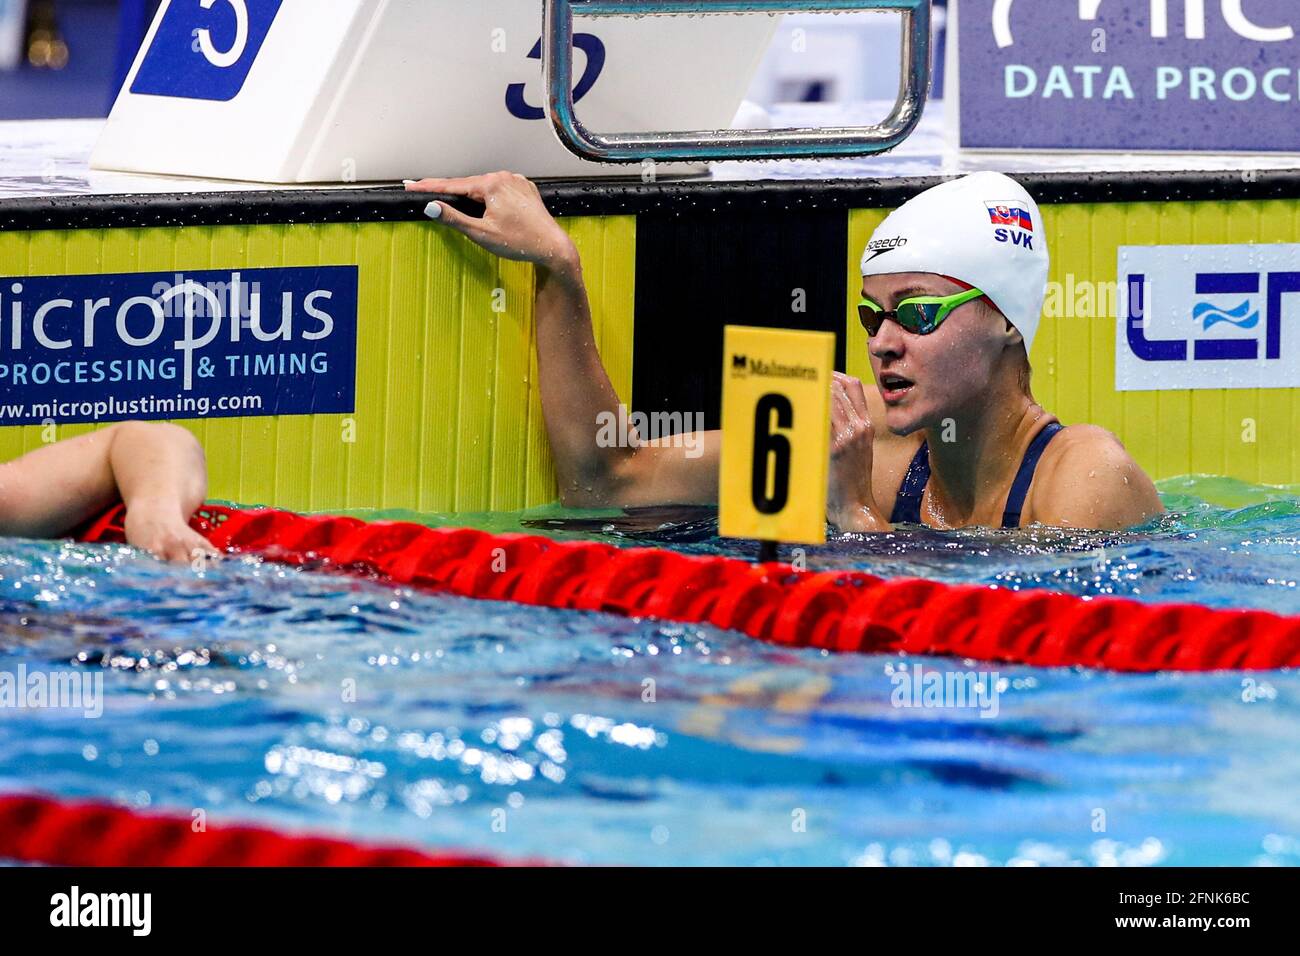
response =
{"points": [[1087, 479]]}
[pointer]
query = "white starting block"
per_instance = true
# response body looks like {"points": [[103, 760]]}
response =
{"points": [[309, 91]]}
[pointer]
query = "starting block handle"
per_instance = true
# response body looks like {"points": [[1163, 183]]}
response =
{"points": [[721, 145]]}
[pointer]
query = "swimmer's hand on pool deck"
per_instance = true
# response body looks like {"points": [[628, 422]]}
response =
{"points": [[515, 224], [575, 389], [157, 470]]}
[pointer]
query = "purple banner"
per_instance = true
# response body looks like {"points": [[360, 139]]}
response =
{"points": [[1203, 75]]}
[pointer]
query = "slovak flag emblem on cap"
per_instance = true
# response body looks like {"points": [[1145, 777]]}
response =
{"points": [[1010, 214]]}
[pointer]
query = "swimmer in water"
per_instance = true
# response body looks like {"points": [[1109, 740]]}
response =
{"points": [[951, 436], [158, 471]]}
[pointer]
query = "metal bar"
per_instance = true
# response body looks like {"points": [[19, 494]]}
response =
{"points": [[717, 145]]}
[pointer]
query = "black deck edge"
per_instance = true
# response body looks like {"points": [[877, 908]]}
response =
{"points": [[599, 198]]}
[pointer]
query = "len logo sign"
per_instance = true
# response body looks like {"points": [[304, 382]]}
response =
{"points": [[1208, 317]]}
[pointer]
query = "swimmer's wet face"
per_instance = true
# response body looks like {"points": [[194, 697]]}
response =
{"points": [[925, 379]]}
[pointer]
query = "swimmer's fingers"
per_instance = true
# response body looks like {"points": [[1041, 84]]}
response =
{"points": [[185, 547], [470, 226], [180, 547], [475, 187], [202, 555], [856, 396], [515, 224], [478, 188], [841, 404], [840, 388], [850, 420], [842, 418]]}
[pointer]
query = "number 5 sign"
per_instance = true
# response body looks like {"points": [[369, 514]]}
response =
{"points": [[205, 49], [228, 57], [776, 397]]}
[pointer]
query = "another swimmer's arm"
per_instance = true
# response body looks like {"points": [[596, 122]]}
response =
{"points": [[575, 390], [162, 477], [157, 470], [1091, 482]]}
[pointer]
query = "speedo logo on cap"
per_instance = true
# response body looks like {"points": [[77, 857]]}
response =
{"points": [[878, 247]]}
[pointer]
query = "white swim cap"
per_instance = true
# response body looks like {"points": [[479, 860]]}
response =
{"points": [[984, 230]]}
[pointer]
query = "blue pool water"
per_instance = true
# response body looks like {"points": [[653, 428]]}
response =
{"points": [[327, 704]]}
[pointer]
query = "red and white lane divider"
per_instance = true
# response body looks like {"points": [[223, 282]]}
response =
{"points": [[55, 832], [845, 611]]}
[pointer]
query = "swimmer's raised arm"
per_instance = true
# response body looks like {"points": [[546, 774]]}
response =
{"points": [[575, 389], [156, 470], [577, 394]]}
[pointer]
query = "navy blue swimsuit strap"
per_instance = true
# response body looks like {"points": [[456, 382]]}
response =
{"points": [[907, 506], [1025, 476]]}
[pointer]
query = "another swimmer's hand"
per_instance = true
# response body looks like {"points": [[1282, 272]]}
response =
{"points": [[161, 477], [156, 526], [515, 225], [850, 502]]}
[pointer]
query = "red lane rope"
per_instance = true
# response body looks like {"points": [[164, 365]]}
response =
{"points": [[848, 611], [57, 833]]}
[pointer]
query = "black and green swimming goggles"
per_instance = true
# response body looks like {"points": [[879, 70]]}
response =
{"points": [[920, 315]]}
